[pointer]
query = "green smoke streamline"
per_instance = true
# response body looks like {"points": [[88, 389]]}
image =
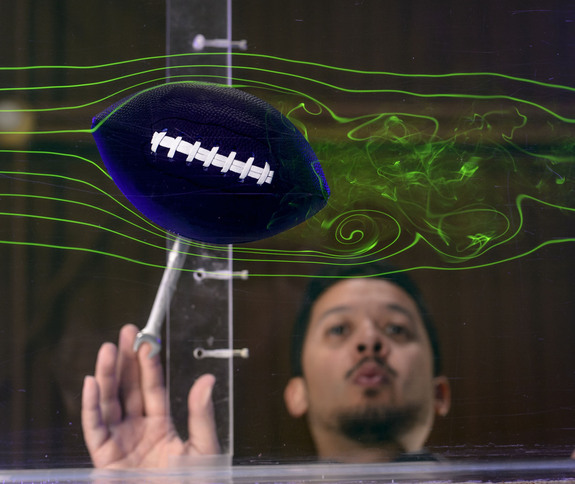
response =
{"points": [[448, 171], [462, 190]]}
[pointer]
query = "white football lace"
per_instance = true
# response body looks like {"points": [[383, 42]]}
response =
{"points": [[211, 157]]}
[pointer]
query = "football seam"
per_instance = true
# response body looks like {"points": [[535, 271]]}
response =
{"points": [[211, 157]]}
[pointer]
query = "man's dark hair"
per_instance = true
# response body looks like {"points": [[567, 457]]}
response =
{"points": [[334, 273]]}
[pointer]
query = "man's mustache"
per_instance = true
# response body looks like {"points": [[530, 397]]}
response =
{"points": [[379, 361]]}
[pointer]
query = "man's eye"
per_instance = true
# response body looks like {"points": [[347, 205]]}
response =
{"points": [[337, 330], [397, 330]]}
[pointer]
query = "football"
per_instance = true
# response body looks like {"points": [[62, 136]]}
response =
{"points": [[210, 162]]}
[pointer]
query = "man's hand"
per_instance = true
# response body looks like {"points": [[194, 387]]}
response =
{"points": [[125, 417]]}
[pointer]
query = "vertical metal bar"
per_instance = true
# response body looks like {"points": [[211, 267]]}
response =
{"points": [[230, 263], [202, 309]]}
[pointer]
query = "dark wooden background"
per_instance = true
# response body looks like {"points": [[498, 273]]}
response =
{"points": [[507, 330]]}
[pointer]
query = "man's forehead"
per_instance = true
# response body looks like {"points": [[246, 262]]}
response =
{"points": [[351, 294]]}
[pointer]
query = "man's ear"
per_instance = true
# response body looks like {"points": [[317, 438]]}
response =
{"points": [[295, 397], [442, 402]]}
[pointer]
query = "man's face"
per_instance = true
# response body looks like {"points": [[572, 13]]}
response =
{"points": [[367, 353]]}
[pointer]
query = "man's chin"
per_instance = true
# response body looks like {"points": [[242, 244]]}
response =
{"points": [[377, 423], [374, 392]]}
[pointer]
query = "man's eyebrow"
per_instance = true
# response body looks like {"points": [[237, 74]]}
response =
{"points": [[330, 311], [401, 309], [395, 307]]}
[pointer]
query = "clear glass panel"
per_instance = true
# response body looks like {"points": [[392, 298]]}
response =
{"points": [[446, 133]]}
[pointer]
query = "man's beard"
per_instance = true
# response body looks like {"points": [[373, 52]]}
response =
{"points": [[378, 425]]}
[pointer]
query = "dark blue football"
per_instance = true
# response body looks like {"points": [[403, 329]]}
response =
{"points": [[210, 162]]}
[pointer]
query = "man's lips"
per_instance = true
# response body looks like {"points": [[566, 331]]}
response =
{"points": [[370, 373]]}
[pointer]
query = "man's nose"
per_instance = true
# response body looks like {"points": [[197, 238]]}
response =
{"points": [[370, 340]]}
